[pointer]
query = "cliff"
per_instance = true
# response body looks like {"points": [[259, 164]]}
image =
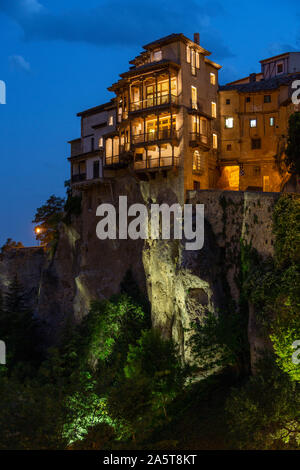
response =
{"points": [[181, 284]]}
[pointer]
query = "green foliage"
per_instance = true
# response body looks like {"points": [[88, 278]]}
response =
{"points": [[287, 231], [154, 376], [130, 287], [72, 207], [108, 330], [157, 360], [265, 413], [220, 341], [47, 218], [273, 285], [292, 151], [18, 329]]}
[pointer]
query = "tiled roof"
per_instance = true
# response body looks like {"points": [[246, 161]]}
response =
{"points": [[174, 37], [110, 104], [169, 38], [270, 84], [149, 65]]}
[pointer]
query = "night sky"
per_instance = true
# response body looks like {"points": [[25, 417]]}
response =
{"points": [[58, 57]]}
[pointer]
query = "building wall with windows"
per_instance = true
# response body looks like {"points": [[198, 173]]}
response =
{"points": [[87, 152], [169, 121], [254, 126]]}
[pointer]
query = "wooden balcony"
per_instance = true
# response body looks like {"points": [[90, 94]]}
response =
{"points": [[163, 135], [156, 163], [156, 100], [78, 178], [197, 139]]}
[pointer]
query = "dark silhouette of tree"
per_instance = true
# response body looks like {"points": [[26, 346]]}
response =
{"points": [[292, 152], [47, 218], [10, 244], [18, 328]]}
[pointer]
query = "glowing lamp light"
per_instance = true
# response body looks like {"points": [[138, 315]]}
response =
{"points": [[38, 230]]}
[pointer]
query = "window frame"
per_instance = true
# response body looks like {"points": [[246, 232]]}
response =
{"points": [[214, 109], [227, 119], [255, 146]]}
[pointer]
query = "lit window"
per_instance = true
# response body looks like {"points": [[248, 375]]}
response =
{"points": [[266, 183], [198, 162], [212, 78], [215, 141], [188, 54], [197, 60], [111, 121], [101, 142], [214, 110], [193, 62], [229, 123], [194, 97], [272, 121], [253, 123]]}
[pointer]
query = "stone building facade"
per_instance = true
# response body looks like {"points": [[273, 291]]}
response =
{"points": [[170, 123]]}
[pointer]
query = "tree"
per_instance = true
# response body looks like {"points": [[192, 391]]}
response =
{"points": [[47, 218], [10, 244], [18, 328], [153, 377], [292, 152], [264, 414]]}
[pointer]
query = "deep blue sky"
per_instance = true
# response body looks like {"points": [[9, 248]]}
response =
{"points": [[58, 57]]}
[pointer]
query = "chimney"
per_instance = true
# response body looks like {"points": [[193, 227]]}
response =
{"points": [[197, 38], [252, 77]]}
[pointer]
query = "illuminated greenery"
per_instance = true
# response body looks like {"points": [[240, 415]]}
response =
{"points": [[273, 285], [264, 414]]}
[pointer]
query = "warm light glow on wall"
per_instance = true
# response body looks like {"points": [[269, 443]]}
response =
{"points": [[230, 179]]}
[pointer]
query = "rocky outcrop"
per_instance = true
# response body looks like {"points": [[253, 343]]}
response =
{"points": [[181, 285], [27, 264]]}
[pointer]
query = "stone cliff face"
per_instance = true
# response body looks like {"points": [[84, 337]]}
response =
{"points": [[181, 285], [27, 264]]}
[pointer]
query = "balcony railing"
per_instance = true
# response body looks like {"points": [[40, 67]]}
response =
{"points": [[162, 134], [79, 177], [198, 138], [109, 161], [161, 162], [158, 99]]}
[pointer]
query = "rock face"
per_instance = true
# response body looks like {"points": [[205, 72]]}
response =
{"points": [[27, 264], [182, 285]]}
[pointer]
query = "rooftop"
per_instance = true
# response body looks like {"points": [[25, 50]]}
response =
{"points": [[102, 107], [173, 38], [271, 84]]}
